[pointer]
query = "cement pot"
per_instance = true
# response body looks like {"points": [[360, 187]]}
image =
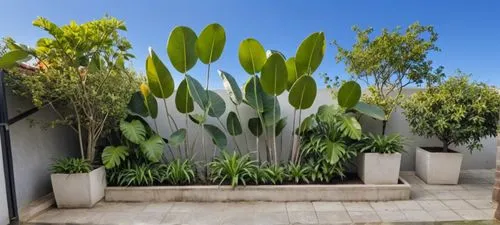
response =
{"points": [[435, 167], [378, 168], [79, 190]]}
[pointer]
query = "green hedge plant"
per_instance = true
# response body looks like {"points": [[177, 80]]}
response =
{"points": [[384, 144], [457, 112]]}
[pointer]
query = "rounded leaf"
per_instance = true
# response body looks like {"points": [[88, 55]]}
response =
{"points": [[280, 125], [159, 79], [255, 126], [217, 106], [151, 106], [302, 93], [272, 110], [233, 124], [177, 138], [291, 72], [183, 101], [310, 54], [218, 137], [181, 48], [253, 94], [274, 75], [197, 118], [153, 148], [210, 43], [349, 94], [137, 105], [9, 59], [252, 56], [231, 87], [197, 92], [370, 110], [134, 131]]}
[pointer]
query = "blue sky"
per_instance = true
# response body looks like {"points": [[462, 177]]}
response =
{"points": [[468, 30]]}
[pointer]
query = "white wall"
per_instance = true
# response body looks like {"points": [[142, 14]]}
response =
{"points": [[478, 160], [34, 149]]}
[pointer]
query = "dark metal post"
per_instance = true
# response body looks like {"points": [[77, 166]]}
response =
{"points": [[7, 153]]}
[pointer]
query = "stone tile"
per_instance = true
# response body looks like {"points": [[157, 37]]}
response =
{"points": [[158, 207], [364, 217], [477, 187], [358, 206], [183, 207], [465, 195], [444, 195], [439, 187], [239, 218], [85, 217], [148, 218], [489, 212], [422, 195], [384, 206], [457, 204], [233, 207], [193, 218], [417, 216], [51, 216], [445, 215], [302, 217], [328, 206], [271, 218], [391, 216], [299, 206], [118, 207], [117, 218], [472, 214], [333, 217], [432, 205], [270, 207], [481, 204], [408, 205], [175, 218]]}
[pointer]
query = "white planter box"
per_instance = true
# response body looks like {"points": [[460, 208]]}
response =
{"points": [[377, 168], [80, 190], [438, 167]]}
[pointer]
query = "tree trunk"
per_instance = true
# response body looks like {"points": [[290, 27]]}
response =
{"points": [[445, 146], [384, 125]]}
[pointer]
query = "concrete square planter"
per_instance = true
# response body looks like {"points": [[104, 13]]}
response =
{"points": [[79, 190], [438, 167], [377, 168]]}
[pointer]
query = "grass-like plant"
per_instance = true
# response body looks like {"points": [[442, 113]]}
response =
{"points": [[233, 169], [177, 172], [143, 174], [298, 173], [71, 165], [385, 144]]}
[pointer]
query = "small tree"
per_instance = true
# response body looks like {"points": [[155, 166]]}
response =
{"points": [[457, 112], [80, 74], [389, 62]]}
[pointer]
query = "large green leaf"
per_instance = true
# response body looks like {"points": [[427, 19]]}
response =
{"points": [[310, 54], [152, 106], [307, 124], [280, 125], [137, 105], [153, 148], [96, 63], [349, 94], [255, 126], [181, 48], [9, 59], [370, 110], [274, 76], [291, 72], [350, 127], [302, 93], [231, 87], [210, 43], [217, 106], [333, 151], [327, 112], [112, 156], [268, 104], [233, 124], [252, 56], [183, 101], [271, 52], [177, 138], [218, 137], [134, 131], [197, 92], [197, 118], [253, 94], [159, 79]]}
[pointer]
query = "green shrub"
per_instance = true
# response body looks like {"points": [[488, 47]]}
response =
{"points": [[143, 174], [273, 174], [457, 112], [71, 165], [177, 172], [385, 144], [233, 169], [298, 173]]}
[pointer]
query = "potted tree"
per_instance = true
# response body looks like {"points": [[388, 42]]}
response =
{"points": [[382, 152], [457, 112], [78, 67]]}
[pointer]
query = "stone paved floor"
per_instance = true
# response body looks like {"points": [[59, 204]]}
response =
{"points": [[470, 200]]}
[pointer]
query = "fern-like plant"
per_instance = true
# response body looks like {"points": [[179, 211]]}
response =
{"points": [[297, 173], [233, 169], [385, 144]]}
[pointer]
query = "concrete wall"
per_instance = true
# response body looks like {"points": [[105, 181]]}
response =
{"points": [[397, 124], [34, 149]]}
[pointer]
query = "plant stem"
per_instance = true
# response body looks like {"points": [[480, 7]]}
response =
{"points": [[292, 136], [234, 138], [244, 133], [274, 130]]}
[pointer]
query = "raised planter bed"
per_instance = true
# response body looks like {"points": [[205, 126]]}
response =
{"points": [[278, 193]]}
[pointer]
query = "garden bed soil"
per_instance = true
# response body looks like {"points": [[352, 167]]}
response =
{"points": [[438, 149], [349, 190]]}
